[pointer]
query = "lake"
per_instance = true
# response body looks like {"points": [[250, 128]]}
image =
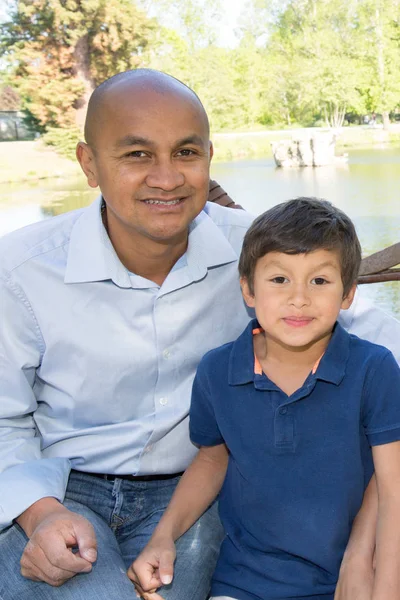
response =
{"points": [[367, 189]]}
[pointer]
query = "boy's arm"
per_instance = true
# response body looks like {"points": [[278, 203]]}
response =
{"points": [[387, 571], [197, 489], [356, 575]]}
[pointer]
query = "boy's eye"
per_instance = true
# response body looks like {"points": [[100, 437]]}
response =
{"points": [[319, 281], [279, 279]]}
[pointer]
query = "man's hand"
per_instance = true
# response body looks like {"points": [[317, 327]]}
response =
{"points": [[62, 543], [153, 568]]}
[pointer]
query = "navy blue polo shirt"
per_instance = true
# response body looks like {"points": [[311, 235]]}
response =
{"points": [[298, 465]]}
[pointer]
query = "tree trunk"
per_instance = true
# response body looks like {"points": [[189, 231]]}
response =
{"points": [[385, 119], [82, 72], [381, 67]]}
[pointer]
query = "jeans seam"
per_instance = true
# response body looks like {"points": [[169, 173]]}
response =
{"points": [[116, 519]]}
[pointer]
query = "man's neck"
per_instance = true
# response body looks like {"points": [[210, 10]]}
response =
{"points": [[146, 257]]}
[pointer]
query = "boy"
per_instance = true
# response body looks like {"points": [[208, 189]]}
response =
{"points": [[285, 418]]}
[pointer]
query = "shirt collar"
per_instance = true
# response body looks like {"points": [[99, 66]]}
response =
{"points": [[331, 368], [91, 255], [208, 247]]}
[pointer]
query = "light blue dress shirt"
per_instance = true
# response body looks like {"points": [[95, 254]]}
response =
{"points": [[97, 364]]}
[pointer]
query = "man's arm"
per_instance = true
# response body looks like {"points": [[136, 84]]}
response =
{"points": [[387, 571], [197, 489], [356, 572], [29, 483], [366, 320]]}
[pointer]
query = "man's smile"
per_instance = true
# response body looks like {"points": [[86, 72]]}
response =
{"points": [[163, 202]]}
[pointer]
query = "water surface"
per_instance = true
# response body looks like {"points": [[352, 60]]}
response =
{"points": [[367, 189]]}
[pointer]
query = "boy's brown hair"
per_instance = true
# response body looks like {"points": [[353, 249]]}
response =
{"points": [[300, 226]]}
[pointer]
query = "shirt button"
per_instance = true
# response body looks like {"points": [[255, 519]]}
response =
{"points": [[283, 411], [163, 401], [148, 448], [166, 354]]}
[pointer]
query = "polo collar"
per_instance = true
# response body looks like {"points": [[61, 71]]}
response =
{"points": [[91, 255], [332, 366]]}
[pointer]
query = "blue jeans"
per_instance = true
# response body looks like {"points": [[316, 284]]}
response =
{"points": [[123, 514]]}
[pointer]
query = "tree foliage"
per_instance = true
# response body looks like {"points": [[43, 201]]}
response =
{"points": [[59, 50], [296, 61]]}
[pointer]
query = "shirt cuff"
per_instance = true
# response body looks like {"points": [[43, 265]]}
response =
{"points": [[26, 483]]}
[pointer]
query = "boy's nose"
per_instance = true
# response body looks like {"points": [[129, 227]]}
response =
{"points": [[299, 296]]}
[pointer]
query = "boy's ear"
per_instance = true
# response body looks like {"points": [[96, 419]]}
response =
{"points": [[348, 299], [247, 295]]}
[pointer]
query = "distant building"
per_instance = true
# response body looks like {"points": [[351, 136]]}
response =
{"points": [[12, 126]]}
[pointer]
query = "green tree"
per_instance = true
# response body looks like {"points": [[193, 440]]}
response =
{"points": [[59, 50], [379, 24], [313, 51], [184, 46]]}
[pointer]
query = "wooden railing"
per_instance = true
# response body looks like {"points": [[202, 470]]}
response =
{"points": [[376, 268], [381, 266]]}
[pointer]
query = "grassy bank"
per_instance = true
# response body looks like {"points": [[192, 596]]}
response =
{"points": [[31, 161], [231, 146]]}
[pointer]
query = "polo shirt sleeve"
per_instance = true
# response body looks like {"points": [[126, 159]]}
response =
{"points": [[203, 426], [381, 408]]}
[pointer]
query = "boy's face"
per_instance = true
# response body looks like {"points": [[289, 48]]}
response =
{"points": [[297, 298]]}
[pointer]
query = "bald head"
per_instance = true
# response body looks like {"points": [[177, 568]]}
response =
{"points": [[129, 85]]}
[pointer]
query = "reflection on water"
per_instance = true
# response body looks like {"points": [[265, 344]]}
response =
{"points": [[367, 188], [30, 202]]}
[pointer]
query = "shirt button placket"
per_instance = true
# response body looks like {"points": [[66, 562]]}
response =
{"points": [[284, 429]]}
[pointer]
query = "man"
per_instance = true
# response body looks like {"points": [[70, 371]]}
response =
{"points": [[108, 312]]}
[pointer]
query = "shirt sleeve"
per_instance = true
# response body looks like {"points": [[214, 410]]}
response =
{"points": [[25, 476], [381, 407], [203, 425], [368, 321]]}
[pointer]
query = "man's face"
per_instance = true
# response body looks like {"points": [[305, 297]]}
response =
{"points": [[151, 159]]}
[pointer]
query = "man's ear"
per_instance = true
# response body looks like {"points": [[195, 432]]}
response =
{"points": [[85, 157], [348, 299], [247, 295], [211, 150]]}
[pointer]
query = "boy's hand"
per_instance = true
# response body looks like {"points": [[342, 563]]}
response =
{"points": [[153, 568]]}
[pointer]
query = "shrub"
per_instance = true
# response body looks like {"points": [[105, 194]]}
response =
{"points": [[63, 140]]}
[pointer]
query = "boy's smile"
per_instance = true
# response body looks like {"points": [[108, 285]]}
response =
{"points": [[297, 298]]}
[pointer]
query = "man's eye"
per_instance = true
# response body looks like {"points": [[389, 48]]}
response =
{"points": [[186, 152], [136, 154], [279, 279], [319, 281]]}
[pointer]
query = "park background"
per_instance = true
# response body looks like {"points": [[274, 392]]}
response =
{"points": [[265, 70]]}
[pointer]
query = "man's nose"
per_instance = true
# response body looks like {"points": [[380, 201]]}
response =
{"points": [[165, 175]]}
